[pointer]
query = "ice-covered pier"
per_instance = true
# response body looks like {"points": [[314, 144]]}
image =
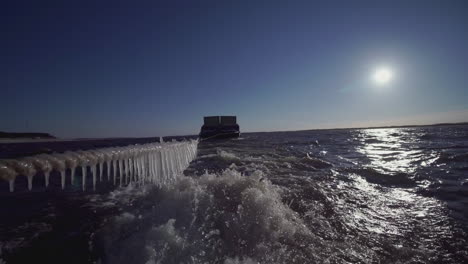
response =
{"points": [[157, 163]]}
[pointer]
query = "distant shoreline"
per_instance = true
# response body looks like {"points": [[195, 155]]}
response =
{"points": [[403, 126], [371, 127], [25, 135]]}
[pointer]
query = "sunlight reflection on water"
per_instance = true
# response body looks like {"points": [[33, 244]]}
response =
{"points": [[400, 210], [393, 150]]}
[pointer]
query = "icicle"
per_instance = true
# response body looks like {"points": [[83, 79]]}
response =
{"points": [[150, 168], [121, 172], [143, 169], [93, 171], [137, 168], [101, 164], [126, 171], [62, 176], [147, 171], [108, 165], [179, 160], [166, 166], [92, 159], [138, 173], [159, 166], [153, 168], [143, 166], [142, 172], [163, 167], [99, 160], [171, 163], [130, 170], [30, 178], [83, 177], [46, 177], [157, 163], [72, 175], [11, 184], [114, 167], [134, 169]]}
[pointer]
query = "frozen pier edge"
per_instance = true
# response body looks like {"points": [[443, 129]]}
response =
{"points": [[156, 163]]}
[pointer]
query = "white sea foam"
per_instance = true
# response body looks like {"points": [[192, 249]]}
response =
{"points": [[228, 218], [226, 155], [240, 261]]}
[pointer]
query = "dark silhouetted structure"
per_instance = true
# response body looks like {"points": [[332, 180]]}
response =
{"points": [[219, 127], [25, 135]]}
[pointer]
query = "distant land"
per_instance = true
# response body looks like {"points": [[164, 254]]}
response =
{"points": [[28, 135], [403, 126], [371, 127]]}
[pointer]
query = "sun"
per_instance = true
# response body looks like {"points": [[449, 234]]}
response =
{"points": [[382, 75]]}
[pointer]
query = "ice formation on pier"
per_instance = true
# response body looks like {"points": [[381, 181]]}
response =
{"points": [[157, 163]]}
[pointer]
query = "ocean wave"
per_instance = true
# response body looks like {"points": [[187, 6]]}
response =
{"points": [[449, 157], [427, 136], [387, 179], [316, 162], [372, 141], [228, 217]]}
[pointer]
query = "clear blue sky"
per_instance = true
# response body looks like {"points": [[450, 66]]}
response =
{"points": [[145, 68]]}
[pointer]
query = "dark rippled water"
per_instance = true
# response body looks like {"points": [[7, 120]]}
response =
{"points": [[333, 196]]}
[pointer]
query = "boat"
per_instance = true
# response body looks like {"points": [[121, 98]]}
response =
{"points": [[219, 127]]}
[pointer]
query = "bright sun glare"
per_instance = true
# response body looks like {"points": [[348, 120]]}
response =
{"points": [[383, 75]]}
